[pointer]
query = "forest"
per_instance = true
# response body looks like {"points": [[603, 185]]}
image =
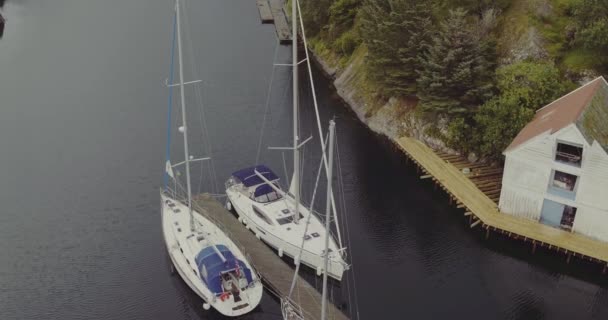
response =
{"points": [[482, 67]]}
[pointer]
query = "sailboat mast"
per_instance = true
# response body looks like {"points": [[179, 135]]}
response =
{"points": [[332, 133], [296, 151], [184, 128]]}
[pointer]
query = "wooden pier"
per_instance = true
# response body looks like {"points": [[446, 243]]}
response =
{"points": [[487, 178], [265, 13], [482, 210], [272, 11], [275, 273]]}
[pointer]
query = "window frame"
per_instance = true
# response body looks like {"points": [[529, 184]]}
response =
{"points": [[574, 190], [572, 144]]}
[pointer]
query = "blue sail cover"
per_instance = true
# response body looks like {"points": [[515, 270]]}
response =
{"points": [[210, 266], [249, 178]]}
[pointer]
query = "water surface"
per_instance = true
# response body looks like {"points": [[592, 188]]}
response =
{"points": [[82, 134]]}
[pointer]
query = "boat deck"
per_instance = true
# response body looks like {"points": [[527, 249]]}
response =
{"points": [[482, 209], [275, 273]]}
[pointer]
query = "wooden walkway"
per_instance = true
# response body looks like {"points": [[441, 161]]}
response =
{"points": [[482, 210], [272, 11], [265, 13], [275, 273]]}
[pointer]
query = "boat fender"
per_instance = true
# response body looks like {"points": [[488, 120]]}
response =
{"points": [[257, 235], [206, 306], [296, 261], [319, 270], [224, 296], [281, 252]]}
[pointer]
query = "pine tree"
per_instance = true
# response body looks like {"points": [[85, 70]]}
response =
{"points": [[394, 32], [315, 14], [457, 70]]}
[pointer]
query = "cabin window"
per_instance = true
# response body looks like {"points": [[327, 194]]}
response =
{"points": [[569, 154], [261, 215], [563, 184], [268, 197], [288, 219], [262, 199]]}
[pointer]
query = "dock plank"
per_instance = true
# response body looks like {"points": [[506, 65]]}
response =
{"points": [[281, 23], [273, 270], [265, 13], [486, 210]]}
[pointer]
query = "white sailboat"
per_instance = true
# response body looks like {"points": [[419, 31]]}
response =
{"points": [[277, 216], [208, 261]]}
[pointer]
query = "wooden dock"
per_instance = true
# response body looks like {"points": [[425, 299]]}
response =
{"points": [[265, 13], [272, 11], [482, 210], [486, 177], [275, 273]]}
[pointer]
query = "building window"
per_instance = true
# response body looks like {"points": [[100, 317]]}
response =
{"points": [[569, 154], [563, 185]]}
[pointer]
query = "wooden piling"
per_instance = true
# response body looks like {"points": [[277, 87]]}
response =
{"points": [[475, 223]]}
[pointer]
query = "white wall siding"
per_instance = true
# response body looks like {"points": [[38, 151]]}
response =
{"points": [[593, 188], [570, 134], [520, 203], [525, 182], [592, 223], [538, 150]]}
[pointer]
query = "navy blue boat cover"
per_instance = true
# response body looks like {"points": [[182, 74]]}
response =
{"points": [[249, 178], [262, 190], [210, 267]]}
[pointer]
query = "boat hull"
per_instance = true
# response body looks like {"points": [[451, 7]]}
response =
{"points": [[183, 262], [336, 267]]}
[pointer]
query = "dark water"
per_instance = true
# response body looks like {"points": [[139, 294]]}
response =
{"points": [[82, 134]]}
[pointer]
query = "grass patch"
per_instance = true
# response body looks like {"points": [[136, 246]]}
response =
{"points": [[513, 23], [581, 59]]}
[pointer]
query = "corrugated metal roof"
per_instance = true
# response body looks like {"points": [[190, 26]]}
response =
{"points": [[586, 106]]}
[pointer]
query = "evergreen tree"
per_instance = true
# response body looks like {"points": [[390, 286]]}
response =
{"points": [[524, 88], [457, 71], [394, 32], [315, 14], [478, 7], [591, 17]]}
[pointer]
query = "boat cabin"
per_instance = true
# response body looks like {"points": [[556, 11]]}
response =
{"points": [[223, 273], [253, 186]]}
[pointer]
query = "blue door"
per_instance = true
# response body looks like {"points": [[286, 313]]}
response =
{"points": [[552, 213]]}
